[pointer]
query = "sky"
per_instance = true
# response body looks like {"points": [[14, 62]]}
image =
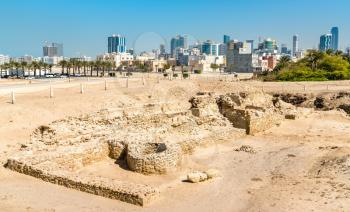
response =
{"points": [[84, 25]]}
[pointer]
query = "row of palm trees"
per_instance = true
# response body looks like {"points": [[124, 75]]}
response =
{"points": [[25, 66], [87, 68], [69, 67]]}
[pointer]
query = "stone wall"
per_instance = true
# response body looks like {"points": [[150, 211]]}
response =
{"points": [[153, 158], [137, 194]]}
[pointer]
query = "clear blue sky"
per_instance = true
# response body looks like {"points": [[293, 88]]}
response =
{"points": [[83, 25]]}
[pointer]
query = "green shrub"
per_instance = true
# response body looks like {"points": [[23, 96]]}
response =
{"points": [[165, 74], [197, 71], [185, 75], [175, 75]]}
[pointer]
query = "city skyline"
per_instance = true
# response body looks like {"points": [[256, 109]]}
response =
{"points": [[85, 33]]}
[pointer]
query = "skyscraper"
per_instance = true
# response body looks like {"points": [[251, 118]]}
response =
{"points": [[335, 38], [295, 44], [53, 50], [251, 42], [116, 44], [210, 48], [162, 49], [325, 42], [284, 49], [177, 42], [227, 39]]}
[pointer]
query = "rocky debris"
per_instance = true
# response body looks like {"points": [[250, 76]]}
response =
{"points": [[197, 176], [290, 116], [200, 176], [336, 163], [323, 101], [247, 149], [294, 99]]}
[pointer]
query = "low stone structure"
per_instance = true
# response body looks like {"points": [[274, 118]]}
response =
{"points": [[151, 140], [58, 167], [153, 158]]}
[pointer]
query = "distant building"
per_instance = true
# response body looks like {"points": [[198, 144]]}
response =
{"points": [[118, 58], [268, 46], [210, 48], [222, 49], [52, 60], [82, 58], [204, 62], [227, 39], [116, 44], [284, 49], [251, 42], [177, 42], [347, 50], [130, 51], [325, 42], [240, 58], [335, 38], [25, 58], [4, 59], [162, 49], [53, 50], [295, 44]]}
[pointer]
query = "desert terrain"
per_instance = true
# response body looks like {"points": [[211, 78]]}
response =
{"points": [[301, 163]]}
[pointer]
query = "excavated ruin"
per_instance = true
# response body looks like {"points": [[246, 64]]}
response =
{"points": [[323, 101], [150, 140]]}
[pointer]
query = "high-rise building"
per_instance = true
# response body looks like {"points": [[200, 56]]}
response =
{"points": [[116, 44], [210, 48], [251, 42], [53, 50], [335, 38], [284, 49], [325, 42], [177, 42], [295, 44], [227, 39], [240, 58], [162, 49]]}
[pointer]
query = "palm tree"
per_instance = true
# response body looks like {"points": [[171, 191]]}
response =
{"points": [[24, 65], [283, 62], [45, 67], [35, 66], [84, 64], [98, 65], [314, 58], [92, 65], [63, 64], [17, 66], [41, 65]]}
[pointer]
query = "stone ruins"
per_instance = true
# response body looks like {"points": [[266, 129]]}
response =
{"points": [[151, 140]]}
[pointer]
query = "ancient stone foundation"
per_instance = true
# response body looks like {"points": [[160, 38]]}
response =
{"points": [[56, 167], [153, 158]]}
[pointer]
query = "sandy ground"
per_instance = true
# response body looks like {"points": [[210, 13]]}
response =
{"points": [[301, 165]]}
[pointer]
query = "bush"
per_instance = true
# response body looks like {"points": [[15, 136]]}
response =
{"points": [[129, 74], [165, 74], [198, 71], [185, 75], [316, 66], [175, 75]]}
